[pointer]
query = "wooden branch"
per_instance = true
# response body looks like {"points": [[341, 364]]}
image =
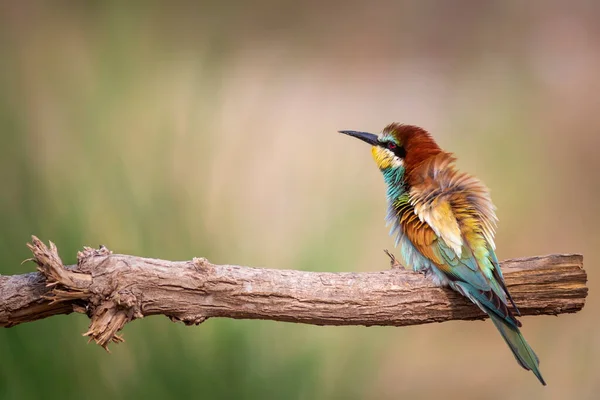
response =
{"points": [[115, 289]]}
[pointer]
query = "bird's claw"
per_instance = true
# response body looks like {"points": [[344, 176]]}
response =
{"points": [[394, 264]]}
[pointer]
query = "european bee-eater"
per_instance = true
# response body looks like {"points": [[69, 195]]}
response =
{"points": [[444, 221]]}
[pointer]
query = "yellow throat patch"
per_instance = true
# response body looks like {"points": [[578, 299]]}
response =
{"points": [[384, 158]]}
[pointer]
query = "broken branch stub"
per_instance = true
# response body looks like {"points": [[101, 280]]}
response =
{"points": [[108, 314]]}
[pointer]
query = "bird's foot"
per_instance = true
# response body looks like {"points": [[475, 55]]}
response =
{"points": [[394, 264]]}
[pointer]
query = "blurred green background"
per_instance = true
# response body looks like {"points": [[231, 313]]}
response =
{"points": [[182, 129]]}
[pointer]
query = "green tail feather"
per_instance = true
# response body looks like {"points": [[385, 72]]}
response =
{"points": [[522, 351]]}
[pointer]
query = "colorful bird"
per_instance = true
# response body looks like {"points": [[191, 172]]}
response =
{"points": [[444, 221]]}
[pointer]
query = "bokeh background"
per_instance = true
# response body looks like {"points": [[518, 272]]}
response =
{"points": [[182, 129]]}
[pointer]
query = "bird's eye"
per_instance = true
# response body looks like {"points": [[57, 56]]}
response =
{"points": [[398, 151]]}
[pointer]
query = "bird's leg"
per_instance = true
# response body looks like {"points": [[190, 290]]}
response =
{"points": [[395, 264], [393, 261]]}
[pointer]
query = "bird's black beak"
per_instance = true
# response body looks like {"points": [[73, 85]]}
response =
{"points": [[364, 136]]}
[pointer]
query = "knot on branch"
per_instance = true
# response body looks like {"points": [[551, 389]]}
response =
{"points": [[200, 263], [188, 320], [89, 252]]}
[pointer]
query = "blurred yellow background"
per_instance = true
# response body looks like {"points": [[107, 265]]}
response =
{"points": [[182, 129]]}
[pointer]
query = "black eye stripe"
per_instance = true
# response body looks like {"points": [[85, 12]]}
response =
{"points": [[399, 151]]}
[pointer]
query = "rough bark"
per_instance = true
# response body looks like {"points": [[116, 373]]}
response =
{"points": [[115, 289]]}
